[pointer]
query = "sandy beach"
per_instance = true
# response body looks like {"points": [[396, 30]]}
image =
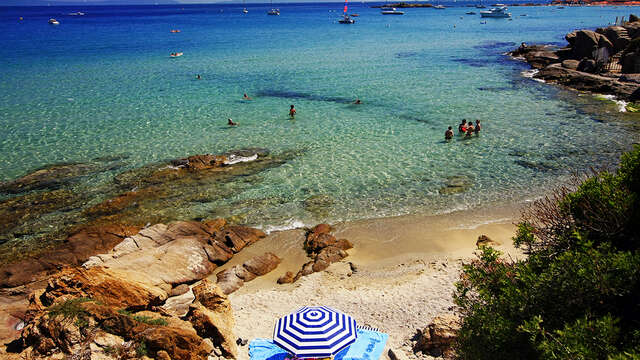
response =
{"points": [[398, 277]]}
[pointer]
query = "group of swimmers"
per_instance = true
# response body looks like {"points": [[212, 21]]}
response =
{"points": [[465, 128]]}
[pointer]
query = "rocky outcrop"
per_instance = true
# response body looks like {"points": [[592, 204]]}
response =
{"points": [[583, 81], [587, 54], [104, 313], [234, 278], [436, 339], [323, 248], [76, 249], [181, 252]]}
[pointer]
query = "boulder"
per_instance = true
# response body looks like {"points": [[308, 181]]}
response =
{"points": [[540, 59], [630, 63], [585, 42], [179, 305], [484, 240], [570, 64], [436, 339], [233, 278], [179, 344], [287, 278], [212, 317], [633, 29], [618, 36], [587, 65]]}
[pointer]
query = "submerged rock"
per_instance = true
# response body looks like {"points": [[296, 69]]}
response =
{"points": [[22, 209], [51, 177], [319, 205], [456, 184]]}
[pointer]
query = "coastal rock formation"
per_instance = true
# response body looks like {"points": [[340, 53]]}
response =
{"points": [[233, 278], [484, 240], [436, 339], [589, 53], [75, 250], [100, 314], [323, 248]]}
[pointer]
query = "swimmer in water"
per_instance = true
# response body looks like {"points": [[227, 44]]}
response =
{"points": [[246, 97], [478, 127], [230, 122], [448, 135], [292, 112], [198, 77], [463, 126], [357, 102]]}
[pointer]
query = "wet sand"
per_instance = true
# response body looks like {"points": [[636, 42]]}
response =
{"points": [[405, 270]]}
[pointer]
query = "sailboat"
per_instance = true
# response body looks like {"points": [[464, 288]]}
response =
{"points": [[273, 11], [346, 19]]}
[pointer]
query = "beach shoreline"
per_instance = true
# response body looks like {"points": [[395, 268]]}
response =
{"points": [[399, 276]]}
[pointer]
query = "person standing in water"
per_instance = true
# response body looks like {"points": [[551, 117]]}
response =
{"points": [[463, 126], [477, 126], [470, 130], [246, 97], [292, 112], [448, 135]]}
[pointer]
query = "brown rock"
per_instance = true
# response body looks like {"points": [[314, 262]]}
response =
{"points": [[179, 344], [287, 278], [49, 177], [162, 355], [212, 317], [201, 162], [316, 242], [618, 36], [570, 64], [484, 240], [344, 244], [436, 339], [322, 229], [263, 264], [585, 42], [228, 281], [77, 248], [540, 59]]}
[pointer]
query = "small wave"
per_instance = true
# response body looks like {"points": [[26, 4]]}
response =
{"points": [[290, 225], [481, 223], [529, 74], [622, 105], [234, 159]]}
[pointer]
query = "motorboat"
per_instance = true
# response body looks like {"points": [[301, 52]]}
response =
{"points": [[76, 14], [53, 22], [273, 12], [439, 7], [175, 30], [497, 12], [176, 54], [355, 15], [244, 10], [470, 13], [391, 11], [480, 6]]}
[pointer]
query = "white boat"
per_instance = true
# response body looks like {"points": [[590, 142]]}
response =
{"points": [[497, 12], [439, 7], [480, 6], [244, 10], [391, 11], [470, 13], [76, 14], [244, 7], [53, 22]]}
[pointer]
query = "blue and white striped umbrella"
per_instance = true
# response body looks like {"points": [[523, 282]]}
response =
{"points": [[315, 332]]}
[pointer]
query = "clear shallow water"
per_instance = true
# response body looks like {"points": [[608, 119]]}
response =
{"points": [[104, 84]]}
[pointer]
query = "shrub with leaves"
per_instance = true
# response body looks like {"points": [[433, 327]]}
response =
{"points": [[577, 294]]}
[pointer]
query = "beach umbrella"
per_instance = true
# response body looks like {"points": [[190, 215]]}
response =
{"points": [[315, 332]]}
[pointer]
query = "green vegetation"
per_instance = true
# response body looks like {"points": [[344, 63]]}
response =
{"points": [[141, 349], [576, 295], [144, 319], [71, 310]]}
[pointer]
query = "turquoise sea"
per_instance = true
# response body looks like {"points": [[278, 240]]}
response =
{"points": [[104, 85]]}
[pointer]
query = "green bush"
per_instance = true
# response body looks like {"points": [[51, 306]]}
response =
{"points": [[71, 310], [576, 295]]}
